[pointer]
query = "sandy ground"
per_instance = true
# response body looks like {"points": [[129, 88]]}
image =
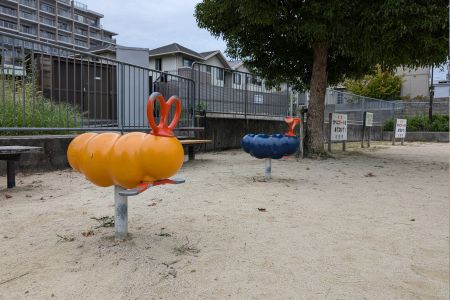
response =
{"points": [[330, 230]]}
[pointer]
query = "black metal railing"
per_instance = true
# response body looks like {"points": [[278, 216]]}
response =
{"points": [[46, 87], [225, 91]]}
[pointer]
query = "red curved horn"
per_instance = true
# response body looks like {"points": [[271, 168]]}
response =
{"points": [[162, 129], [292, 122]]}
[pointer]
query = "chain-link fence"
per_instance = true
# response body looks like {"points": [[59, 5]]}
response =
{"points": [[355, 106]]}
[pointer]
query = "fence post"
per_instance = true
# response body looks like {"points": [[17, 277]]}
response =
{"points": [[363, 130], [330, 116], [393, 135], [246, 97]]}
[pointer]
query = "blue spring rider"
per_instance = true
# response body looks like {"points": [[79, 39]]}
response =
{"points": [[272, 146]]}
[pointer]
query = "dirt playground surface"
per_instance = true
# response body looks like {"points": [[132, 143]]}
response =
{"points": [[368, 224]]}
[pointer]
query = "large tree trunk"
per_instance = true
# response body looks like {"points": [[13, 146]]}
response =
{"points": [[314, 134]]}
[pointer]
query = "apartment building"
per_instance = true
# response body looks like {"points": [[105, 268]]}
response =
{"points": [[64, 22]]}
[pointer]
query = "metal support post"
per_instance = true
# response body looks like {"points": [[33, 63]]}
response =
{"points": [[121, 214], [10, 174], [268, 168]]}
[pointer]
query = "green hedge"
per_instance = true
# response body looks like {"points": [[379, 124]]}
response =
{"points": [[439, 123]]}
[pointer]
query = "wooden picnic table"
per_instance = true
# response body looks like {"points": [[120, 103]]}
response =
{"points": [[12, 154]]}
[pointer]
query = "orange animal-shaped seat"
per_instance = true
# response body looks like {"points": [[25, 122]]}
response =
{"points": [[131, 159]]}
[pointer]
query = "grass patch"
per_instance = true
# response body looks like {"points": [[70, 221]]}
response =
{"points": [[23, 106]]}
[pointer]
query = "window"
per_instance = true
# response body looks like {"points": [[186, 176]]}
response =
{"points": [[259, 99], [208, 69], [219, 74], [256, 81], [158, 64], [237, 78], [187, 62], [340, 98], [47, 35]]}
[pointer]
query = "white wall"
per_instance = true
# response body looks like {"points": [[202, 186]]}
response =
{"points": [[441, 90], [415, 82], [132, 93], [214, 61], [169, 63]]}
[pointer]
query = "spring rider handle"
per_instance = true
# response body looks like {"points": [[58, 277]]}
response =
{"points": [[162, 129], [291, 122]]}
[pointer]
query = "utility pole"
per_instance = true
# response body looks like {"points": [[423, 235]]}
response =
{"points": [[430, 109]]}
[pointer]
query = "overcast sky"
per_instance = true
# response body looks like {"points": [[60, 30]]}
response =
{"points": [[154, 23]]}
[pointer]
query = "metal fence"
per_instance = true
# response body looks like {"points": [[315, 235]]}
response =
{"points": [[48, 87], [355, 106], [229, 92]]}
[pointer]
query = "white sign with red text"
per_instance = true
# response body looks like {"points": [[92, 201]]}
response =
{"points": [[400, 129], [338, 127]]}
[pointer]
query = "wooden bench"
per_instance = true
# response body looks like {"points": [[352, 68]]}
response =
{"points": [[12, 154], [191, 144]]}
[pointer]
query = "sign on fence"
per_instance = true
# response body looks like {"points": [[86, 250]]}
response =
{"points": [[338, 127], [369, 119], [400, 129]]}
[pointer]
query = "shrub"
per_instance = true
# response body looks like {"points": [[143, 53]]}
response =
{"points": [[439, 123], [380, 85], [33, 110]]}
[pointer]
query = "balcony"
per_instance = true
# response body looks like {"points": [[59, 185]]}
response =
{"points": [[47, 35], [30, 31], [28, 16], [109, 39], [65, 27], [65, 39], [81, 43], [95, 35], [65, 13], [47, 8], [8, 11], [80, 5], [67, 2], [30, 3], [48, 22], [9, 25], [80, 32]]}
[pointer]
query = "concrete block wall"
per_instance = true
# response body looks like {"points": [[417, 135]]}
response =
{"points": [[53, 156]]}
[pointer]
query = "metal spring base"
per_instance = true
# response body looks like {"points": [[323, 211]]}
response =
{"points": [[121, 204]]}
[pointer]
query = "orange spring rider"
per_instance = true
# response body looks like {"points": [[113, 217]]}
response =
{"points": [[131, 162], [132, 159]]}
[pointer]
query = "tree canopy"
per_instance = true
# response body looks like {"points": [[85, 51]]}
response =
{"points": [[312, 43]]}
